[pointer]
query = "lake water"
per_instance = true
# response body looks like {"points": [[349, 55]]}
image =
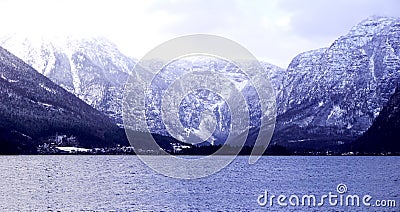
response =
{"points": [[124, 183]]}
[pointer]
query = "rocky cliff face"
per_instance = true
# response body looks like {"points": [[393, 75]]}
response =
{"points": [[337, 92], [207, 98]]}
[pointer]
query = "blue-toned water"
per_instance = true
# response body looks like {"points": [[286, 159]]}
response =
{"points": [[124, 183]]}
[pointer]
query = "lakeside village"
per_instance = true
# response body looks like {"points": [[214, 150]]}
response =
{"points": [[62, 144]]}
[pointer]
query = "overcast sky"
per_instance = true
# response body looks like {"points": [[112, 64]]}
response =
{"points": [[273, 30]]}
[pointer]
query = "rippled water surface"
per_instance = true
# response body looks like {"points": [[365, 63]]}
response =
{"points": [[124, 183]]}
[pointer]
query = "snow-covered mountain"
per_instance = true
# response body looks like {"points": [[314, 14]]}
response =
{"points": [[335, 93], [213, 95], [33, 108], [91, 68]]}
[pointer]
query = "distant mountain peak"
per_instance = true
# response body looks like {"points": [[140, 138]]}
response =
{"points": [[92, 68]]}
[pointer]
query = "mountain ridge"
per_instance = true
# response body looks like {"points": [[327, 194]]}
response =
{"points": [[326, 97]]}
